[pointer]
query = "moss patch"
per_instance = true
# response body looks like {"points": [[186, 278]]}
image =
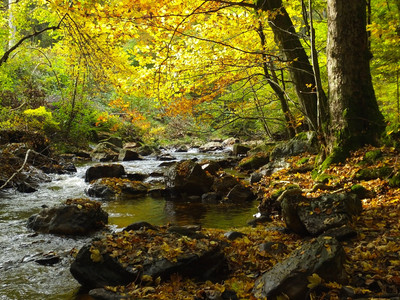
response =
{"points": [[372, 156], [373, 173], [254, 162], [395, 180]]}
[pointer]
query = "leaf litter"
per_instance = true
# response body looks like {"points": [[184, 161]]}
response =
{"points": [[373, 256]]}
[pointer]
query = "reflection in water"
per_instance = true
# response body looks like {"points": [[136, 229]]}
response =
{"points": [[22, 278], [178, 212]]}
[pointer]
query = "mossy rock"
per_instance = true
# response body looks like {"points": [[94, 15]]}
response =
{"points": [[372, 156], [373, 173], [266, 148], [395, 180], [338, 155], [303, 161], [275, 195], [321, 176], [361, 191], [254, 162]]}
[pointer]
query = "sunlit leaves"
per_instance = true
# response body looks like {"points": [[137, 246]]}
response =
{"points": [[314, 281]]}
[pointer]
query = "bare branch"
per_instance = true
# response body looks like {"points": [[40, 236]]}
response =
{"points": [[6, 55], [19, 170]]}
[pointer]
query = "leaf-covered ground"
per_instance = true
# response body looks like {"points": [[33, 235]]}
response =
{"points": [[373, 264]]}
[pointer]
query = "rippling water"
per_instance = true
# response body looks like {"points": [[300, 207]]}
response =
{"points": [[22, 278]]}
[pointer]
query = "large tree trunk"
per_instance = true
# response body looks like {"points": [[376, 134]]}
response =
{"points": [[355, 119], [301, 70]]}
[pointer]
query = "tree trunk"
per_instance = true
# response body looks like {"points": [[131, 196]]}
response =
{"points": [[355, 119], [274, 84], [300, 70], [12, 29]]}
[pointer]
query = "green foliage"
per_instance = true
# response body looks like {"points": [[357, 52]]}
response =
{"points": [[79, 130], [385, 65], [77, 84], [395, 180], [40, 119], [10, 119], [303, 160], [373, 156]]}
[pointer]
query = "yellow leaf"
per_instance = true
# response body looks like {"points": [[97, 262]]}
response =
{"points": [[95, 255], [149, 289], [147, 278], [282, 297], [246, 240], [314, 281]]}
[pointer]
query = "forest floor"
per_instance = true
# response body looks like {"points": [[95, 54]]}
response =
{"points": [[373, 256]]}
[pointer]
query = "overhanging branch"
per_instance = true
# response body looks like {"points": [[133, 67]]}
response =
{"points": [[6, 55]]}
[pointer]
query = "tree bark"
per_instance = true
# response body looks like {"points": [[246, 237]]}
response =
{"points": [[300, 70], [274, 84], [355, 119]]}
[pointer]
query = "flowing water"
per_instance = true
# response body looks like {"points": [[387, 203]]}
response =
{"points": [[21, 277]]}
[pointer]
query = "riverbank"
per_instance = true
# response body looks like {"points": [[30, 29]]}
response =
{"points": [[372, 267], [373, 263]]}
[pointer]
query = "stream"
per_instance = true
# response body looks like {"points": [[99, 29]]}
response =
{"points": [[22, 277]]}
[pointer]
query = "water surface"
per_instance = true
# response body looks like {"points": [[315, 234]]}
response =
{"points": [[22, 278]]}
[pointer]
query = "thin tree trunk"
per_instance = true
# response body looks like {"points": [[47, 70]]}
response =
{"points": [[354, 112], [11, 26], [273, 83], [398, 95], [301, 70], [322, 109]]}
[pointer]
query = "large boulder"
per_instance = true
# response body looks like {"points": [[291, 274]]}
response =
{"points": [[211, 167], [316, 215], [113, 140], [254, 162], [269, 169], [75, 217], [240, 149], [113, 187], [105, 151], [240, 193], [223, 183], [102, 171], [229, 142], [127, 256], [324, 257], [303, 142], [211, 147], [188, 177], [128, 155]]}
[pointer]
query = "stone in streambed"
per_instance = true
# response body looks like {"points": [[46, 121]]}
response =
{"points": [[189, 178], [75, 217], [126, 256], [324, 256], [317, 215], [128, 155], [103, 171], [116, 187]]}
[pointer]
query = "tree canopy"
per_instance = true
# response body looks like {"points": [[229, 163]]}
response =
{"points": [[255, 65]]}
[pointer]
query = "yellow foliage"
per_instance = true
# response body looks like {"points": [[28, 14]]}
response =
{"points": [[314, 281]]}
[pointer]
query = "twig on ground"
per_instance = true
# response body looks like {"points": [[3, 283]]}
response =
{"points": [[20, 169]]}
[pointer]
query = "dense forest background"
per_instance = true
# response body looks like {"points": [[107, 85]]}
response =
{"points": [[175, 70]]}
